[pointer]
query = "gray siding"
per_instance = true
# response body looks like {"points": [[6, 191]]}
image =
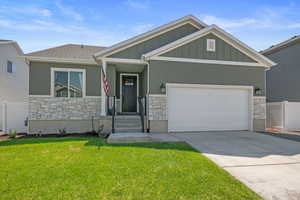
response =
{"points": [[40, 78], [197, 73], [138, 50], [283, 82], [197, 50]]}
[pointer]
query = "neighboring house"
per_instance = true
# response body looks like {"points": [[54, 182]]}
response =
{"points": [[194, 77], [283, 85], [13, 87]]}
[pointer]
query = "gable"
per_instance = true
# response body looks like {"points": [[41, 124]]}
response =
{"points": [[242, 48], [197, 49], [136, 51]]}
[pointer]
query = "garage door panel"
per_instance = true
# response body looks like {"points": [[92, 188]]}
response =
{"points": [[202, 109]]}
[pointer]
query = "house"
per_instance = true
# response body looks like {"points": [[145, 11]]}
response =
{"points": [[13, 87], [283, 85], [190, 75]]}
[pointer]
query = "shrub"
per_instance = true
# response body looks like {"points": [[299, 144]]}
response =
{"points": [[12, 133]]}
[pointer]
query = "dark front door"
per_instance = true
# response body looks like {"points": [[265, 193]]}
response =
{"points": [[129, 93]]}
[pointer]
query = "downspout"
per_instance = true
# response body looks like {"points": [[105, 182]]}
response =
{"points": [[144, 58]]}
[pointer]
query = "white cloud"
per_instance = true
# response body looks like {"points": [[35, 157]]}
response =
{"points": [[259, 22], [229, 23], [138, 4], [142, 28], [68, 11], [26, 10], [57, 34]]}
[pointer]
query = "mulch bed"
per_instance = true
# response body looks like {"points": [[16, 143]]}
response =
{"points": [[22, 136], [6, 137]]}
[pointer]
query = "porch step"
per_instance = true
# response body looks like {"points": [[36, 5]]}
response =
{"points": [[127, 123], [128, 130]]}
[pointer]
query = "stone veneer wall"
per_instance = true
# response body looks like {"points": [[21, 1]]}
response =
{"points": [[158, 107], [51, 108]]}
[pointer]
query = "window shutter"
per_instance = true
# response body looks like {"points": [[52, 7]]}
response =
{"points": [[14, 68]]}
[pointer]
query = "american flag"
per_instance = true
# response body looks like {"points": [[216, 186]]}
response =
{"points": [[105, 82]]}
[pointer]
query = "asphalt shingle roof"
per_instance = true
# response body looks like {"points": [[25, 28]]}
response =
{"points": [[68, 51]]}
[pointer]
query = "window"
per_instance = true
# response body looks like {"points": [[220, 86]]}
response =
{"points": [[68, 82], [211, 45], [9, 67]]}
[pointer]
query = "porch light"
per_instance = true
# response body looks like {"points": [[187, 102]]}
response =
{"points": [[162, 88], [257, 91]]}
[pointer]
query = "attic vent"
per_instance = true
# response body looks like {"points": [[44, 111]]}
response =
{"points": [[211, 45]]}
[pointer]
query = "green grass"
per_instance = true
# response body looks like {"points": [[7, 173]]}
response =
{"points": [[88, 168]]}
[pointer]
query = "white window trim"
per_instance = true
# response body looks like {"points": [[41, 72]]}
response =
{"points": [[208, 41], [68, 70]]}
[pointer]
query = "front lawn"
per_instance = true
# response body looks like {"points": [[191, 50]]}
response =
{"points": [[88, 168]]}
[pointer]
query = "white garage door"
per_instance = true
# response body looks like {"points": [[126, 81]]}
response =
{"points": [[208, 108]]}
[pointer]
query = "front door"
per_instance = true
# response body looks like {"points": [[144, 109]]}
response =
{"points": [[129, 93]]}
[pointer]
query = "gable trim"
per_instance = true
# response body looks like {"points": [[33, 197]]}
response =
{"points": [[124, 60], [205, 61], [150, 34], [280, 45], [264, 61]]}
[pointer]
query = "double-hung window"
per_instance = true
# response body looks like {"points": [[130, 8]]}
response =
{"points": [[68, 82]]}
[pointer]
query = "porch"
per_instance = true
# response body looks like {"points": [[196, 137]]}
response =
{"points": [[128, 80], [126, 101]]}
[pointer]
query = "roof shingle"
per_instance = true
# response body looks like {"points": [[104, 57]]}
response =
{"points": [[68, 51]]}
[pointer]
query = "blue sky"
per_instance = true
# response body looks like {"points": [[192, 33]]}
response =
{"points": [[39, 24]]}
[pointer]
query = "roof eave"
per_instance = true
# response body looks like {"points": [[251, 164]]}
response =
{"points": [[61, 60]]}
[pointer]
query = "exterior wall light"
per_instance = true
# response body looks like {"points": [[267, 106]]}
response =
{"points": [[163, 88], [257, 91]]}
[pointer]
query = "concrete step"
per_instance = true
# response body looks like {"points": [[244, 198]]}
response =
{"points": [[128, 127], [127, 117], [128, 130], [130, 138], [128, 123]]}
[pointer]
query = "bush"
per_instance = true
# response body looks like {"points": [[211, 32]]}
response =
{"points": [[12, 133]]}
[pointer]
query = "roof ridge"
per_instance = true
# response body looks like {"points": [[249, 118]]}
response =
{"points": [[64, 45], [46, 49]]}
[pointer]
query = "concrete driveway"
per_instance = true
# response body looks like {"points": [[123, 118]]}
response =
{"points": [[268, 165]]}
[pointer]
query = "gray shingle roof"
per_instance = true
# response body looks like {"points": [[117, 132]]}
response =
{"points": [[68, 51]]}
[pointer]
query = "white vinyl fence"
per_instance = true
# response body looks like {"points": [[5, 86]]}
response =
{"points": [[13, 116], [283, 115]]}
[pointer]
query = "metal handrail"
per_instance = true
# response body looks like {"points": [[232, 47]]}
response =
{"points": [[113, 115], [141, 112]]}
